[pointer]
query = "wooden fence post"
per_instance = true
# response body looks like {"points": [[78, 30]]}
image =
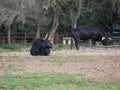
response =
{"points": [[25, 38], [56, 38]]}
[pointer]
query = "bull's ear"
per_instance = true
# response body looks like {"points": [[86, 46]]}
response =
{"points": [[103, 38]]}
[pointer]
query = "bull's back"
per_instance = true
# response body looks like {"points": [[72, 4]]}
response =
{"points": [[90, 32]]}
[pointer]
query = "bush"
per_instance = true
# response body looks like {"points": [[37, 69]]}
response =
{"points": [[10, 46], [14, 46]]}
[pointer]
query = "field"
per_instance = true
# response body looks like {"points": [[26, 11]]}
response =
{"points": [[86, 69]]}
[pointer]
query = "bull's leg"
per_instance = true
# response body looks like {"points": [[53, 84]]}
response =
{"points": [[47, 51], [34, 51], [93, 42], [77, 45], [41, 51], [71, 46]]}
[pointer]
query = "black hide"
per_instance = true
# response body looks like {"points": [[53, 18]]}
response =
{"points": [[88, 32], [41, 47]]}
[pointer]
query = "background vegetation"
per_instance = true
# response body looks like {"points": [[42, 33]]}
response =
{"points": [[35, 16]]}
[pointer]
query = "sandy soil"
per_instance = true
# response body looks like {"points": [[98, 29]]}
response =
{"points": [[102, 65]]}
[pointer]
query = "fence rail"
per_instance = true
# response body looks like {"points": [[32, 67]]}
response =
{"points": [[59, 37], [27, 37], [116, 36]]}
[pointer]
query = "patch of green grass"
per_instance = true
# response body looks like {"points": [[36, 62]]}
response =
{"points": [[6, 50], [15, 60], [1, 60], [31, 81], [61, 60], [52, 81], [11, 60], [60, 47], [79, 59], [12, 67], [56, 61], [14, 47], [11, 46]]}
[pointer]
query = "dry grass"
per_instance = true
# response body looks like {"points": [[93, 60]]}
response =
{"points": [[103, 65]]}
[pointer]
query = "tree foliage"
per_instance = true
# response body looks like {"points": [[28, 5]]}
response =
{"points": [[52, 15]]}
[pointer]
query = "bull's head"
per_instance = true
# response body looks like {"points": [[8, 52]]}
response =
{"points": [[46, 45], [105, 40], [47, 42], [47, 36]]}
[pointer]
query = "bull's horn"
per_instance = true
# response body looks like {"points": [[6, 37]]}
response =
{"points": [[49, 37], [110, 38], [103, 38], [46, 37]]}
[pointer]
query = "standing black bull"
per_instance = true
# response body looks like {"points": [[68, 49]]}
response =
{"points": [[88, 32], [41, 46]]}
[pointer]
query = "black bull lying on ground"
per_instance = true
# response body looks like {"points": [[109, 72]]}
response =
{"points": [[88, 32], [41, 46]]}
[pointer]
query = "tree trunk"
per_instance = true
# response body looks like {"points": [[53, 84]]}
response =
{"points": [[55, 24], [8, 34], [74, 16], [36, 27], [37, 31]]}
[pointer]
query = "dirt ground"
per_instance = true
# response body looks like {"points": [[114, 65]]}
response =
{"points": [[102, 65]]}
